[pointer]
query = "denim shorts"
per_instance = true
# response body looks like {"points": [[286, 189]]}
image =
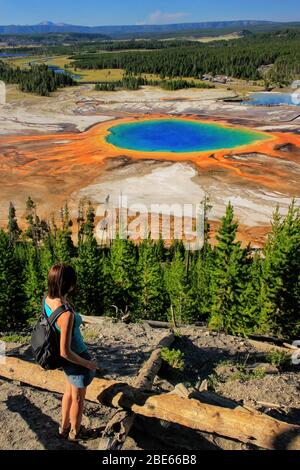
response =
{"points": [[77, 375]]}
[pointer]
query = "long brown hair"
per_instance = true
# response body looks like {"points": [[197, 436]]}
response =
{"points": [[61, 280]]}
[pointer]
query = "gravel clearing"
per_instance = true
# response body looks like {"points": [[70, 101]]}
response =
{"points": [[29, 417]]}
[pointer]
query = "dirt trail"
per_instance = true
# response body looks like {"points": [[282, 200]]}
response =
{"points": [[29, 417]]}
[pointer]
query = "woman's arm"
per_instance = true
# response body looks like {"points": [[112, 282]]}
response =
{"points": [[65, 323]]}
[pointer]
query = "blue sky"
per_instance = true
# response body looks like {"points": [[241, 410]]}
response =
{"points": [[103, 12]]}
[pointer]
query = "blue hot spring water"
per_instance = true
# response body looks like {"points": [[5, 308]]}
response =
{"points": [[273, 99], [179, 136]]}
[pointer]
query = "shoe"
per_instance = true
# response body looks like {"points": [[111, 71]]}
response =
{"points": [[64, 433], [84, 434]]}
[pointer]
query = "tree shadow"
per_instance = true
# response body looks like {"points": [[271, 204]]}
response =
{"points": [[115, 361], [292, 416], [200, 362], [152, 434], [44, 427], [123, 360], [23, 352], [284, 440]]}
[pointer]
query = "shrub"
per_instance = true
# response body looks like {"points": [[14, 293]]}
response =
{"points": [[278, 358], [173, 357]]}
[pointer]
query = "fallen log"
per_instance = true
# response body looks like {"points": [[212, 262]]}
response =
{"points": [[267, 404], [98, 321], [260, 430], [290, 346], [267, 339], [94, 320], [148, 372], [267, 347], [212, 398], [207, 439], [119, 426], [54, 381], [255, 429], [158, 324]]}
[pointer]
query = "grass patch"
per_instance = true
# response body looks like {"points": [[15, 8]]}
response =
{"points": [[106, 75], [59, 61], [213, 381], [278, 358], [177, 334], [15, 339], [22, 62], [243, 375], [90, 336], [229, 371], [13, 93], [223, 37]]}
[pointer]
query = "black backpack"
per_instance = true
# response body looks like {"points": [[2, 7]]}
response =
{"points": [[45, 339]]}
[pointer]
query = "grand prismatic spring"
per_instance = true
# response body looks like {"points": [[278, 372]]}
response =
{"points": [[251, 167], [180, 136]]}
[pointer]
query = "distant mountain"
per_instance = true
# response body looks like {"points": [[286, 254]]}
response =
{"points": [[114, 31], [49, 23]]}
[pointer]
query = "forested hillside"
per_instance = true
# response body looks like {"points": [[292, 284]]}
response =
{"points": [[240, 58], [131, 82], [244, 58], [37, 79], [225, 285]]}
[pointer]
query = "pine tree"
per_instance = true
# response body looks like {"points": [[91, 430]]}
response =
{"points": [[177, 246], [13, 228], [47, 258], [89, 268], [280, 293], [80, 222], [160, 249], [228, 279], [31, 218], [34, 282], [201, 278], [150, 294], [64, 249], [121, 275], [37, 229], [206, 229], [182, 305], [11, 294], [201, 271], [250, 298]]}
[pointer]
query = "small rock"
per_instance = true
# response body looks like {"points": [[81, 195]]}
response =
{"points": [[204, 386], [266, 367]]}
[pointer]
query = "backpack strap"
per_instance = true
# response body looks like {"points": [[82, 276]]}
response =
{"points": [[56, 314]]}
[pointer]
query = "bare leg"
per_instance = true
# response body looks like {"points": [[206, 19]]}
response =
{"points": [[66, 406], [76, 411]]}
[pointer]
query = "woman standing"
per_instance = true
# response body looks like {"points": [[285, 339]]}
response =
{"points": [[78, 365]]}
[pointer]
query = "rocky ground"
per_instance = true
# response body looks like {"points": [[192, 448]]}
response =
{"points": [[231, 367]]}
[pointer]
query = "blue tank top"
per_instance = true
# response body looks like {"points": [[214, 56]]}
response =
{"points": [[78, 345]]}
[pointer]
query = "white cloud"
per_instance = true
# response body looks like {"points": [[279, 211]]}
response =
{"points": [[159, 17]]}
